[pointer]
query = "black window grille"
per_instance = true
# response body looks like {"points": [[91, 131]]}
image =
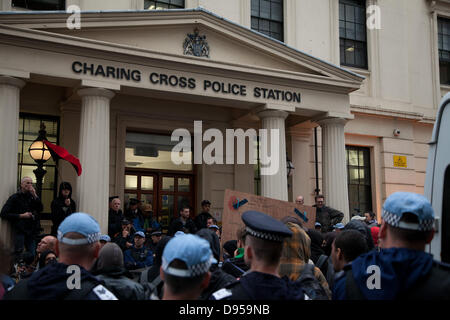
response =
{"points": [[163, 4], [352, 33], [444, 50], [267, 17], [359, 179], [40, 4]]}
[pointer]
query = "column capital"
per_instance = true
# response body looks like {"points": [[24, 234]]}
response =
{"points": [[270, 113], [332, 121], [12, 81], [98, 92]]}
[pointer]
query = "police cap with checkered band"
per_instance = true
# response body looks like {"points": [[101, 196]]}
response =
{"points": [[194, 251], [81, 223], [399, 203], [263, 226]]}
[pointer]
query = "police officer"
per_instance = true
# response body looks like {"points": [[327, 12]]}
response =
{"points": [[133, 211], [401, 269], [77, 248], [138, 256], [263, 248]]}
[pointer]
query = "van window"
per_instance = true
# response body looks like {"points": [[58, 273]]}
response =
{"points": [[445, 229]]}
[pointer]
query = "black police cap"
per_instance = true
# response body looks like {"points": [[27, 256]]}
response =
{"points": [[134, 201], [263, 226]]}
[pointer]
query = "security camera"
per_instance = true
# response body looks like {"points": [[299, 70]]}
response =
{"points": [[396, 132]]}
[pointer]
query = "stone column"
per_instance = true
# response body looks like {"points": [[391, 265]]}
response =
{"points": [[303, 174], [334, 169], [9, 136], [93, 184], [275, 185]]}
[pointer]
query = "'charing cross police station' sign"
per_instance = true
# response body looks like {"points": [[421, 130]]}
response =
{"points": [[182, 82]]}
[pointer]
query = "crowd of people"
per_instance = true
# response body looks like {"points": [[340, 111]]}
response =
{"points": [[269, 259]]}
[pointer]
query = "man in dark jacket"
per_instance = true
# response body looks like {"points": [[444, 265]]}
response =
{"points": [[133, 211], [138, 256], [401, 269], [346, 247], [263, 248], [22, 209], [202, 217], [115, 217], [68, 279], [124, 239], [326, 216], [182, 223], [63, 206], [219, 278]]}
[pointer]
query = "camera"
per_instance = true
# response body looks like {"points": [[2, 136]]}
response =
{"points": [[396, 132]]}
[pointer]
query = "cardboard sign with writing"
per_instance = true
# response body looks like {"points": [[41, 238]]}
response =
{"points": [[236, 203]]}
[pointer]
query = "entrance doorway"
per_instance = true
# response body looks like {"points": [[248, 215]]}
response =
{"points": [[165, 192], [151, 176]]}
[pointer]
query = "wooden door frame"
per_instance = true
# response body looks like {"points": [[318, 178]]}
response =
{"points": [[157, 187]]}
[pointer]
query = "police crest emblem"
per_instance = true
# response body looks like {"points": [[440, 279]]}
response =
{"points": [[196, 45]]}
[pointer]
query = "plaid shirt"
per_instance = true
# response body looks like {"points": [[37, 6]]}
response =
{"points": [[297, 250]]}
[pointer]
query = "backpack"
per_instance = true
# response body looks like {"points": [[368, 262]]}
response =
{"points": [[310, 285], [151, 288]]}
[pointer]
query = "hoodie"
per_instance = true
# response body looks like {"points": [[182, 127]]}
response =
{"points": [[400, 269], [60, 210], [296, 253], [109, 267]]}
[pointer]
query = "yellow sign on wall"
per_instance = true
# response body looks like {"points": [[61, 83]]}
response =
{"points": [[400, 162]]}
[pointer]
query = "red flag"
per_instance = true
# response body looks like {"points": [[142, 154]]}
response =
{"points": [[58, 152]]}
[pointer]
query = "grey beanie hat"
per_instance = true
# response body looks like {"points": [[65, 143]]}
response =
{"points": [[110, 256]]}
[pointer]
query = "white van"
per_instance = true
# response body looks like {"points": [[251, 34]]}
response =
{"points": [[437, 182]]}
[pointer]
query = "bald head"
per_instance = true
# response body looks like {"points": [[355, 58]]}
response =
{"points": [[47, 243], [300, 200], [26, 184]]}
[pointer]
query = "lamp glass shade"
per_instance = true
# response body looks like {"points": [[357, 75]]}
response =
{"points": [[39, 151]]}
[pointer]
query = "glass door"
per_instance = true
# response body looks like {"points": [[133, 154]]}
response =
{"points": [[142, 186], [166, 192], [174, 192]]}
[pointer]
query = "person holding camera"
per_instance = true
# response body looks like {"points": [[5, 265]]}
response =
{"points": [[23, 210]]}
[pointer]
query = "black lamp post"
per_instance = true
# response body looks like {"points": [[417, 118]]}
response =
{"points": [[289, 166], [40, 154]]}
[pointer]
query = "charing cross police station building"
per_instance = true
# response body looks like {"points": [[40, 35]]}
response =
{"points": [[354, 103]]}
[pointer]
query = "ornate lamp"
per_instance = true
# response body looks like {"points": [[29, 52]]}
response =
{"points": [[40, 154]]}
